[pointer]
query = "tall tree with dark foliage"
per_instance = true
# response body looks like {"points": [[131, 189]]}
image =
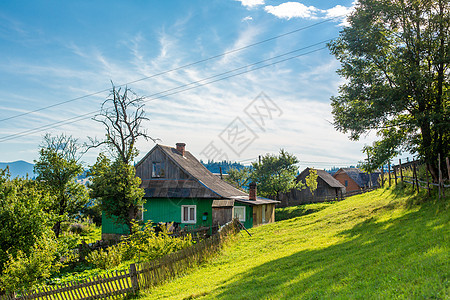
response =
{"points": [[395, 57]]}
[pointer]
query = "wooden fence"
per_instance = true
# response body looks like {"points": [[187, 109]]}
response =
{"points": [[319, 199], [113, 285], [140, 276], [397, 174]]}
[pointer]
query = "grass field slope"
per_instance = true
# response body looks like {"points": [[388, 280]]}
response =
{"points": [[386, 244]]}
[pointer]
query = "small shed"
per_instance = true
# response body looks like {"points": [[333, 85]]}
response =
{"points": [[328, 189]]}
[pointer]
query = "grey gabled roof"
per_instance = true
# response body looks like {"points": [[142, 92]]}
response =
{"points": [[360, 177], [325, 176], [329, 179], [190, 165], [354, 173]]}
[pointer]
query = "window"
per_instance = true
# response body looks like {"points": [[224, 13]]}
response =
{"points": [[346, 183], [239, 213], [189, 214], [263, 212], [140, 214], [158, 169]]}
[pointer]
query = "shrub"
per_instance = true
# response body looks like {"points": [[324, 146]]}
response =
{"points": [[143, 244], [78, 228], [148, 244], [105, 259], [24, 271]]}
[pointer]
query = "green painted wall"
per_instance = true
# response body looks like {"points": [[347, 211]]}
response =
{"points": [[248, 214], [108, 226], [169, 210], [165, 210]]}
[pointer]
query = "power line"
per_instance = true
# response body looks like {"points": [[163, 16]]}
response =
{"points": [[172, 70], [188, 87]]}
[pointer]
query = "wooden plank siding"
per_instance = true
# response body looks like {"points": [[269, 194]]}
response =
{"points": [[269, 214], [144, 169]]}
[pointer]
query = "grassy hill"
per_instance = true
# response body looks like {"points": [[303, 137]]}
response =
{"points": [[383, 244]]}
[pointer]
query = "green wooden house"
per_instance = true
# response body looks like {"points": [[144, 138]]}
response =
{"points": [[178, 188]]}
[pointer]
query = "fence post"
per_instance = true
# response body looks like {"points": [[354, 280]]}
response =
{"points": [[134, 278], [415, 177], [401, 171], [395, 175], [389, 172], [382, 176], [428, 180], [448, 168]]}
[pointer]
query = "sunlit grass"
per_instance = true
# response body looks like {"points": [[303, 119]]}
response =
{"points": [[375, 245]]}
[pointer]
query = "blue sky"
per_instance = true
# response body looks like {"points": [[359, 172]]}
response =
{"points": [[55, 51]]}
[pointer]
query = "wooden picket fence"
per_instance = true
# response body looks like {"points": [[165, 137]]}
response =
{"points": [[139, 276], [113, 285], [158, 271]]}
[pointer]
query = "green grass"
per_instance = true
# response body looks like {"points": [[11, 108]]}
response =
{"points": [[298, 211], [377, 245]]}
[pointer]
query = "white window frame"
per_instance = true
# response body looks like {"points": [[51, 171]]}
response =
{"points": [[239, 207], [189, 221]]}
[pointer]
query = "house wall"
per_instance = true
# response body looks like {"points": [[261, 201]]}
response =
{"points": [[161, 210], [351, 184], [111, 230], [268, 210], [169, 210], [249, 210], [221, 215]]}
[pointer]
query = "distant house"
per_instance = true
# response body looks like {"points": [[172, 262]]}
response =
{"points": [[178, 188], [354, 179], [328, 188]]}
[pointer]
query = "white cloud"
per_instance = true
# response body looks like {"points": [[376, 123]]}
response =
{"points": [[247, 18], [289, 10], [341, 12], [251, 3]]}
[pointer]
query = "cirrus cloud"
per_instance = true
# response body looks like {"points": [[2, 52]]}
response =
{"points": [[251, 3]]}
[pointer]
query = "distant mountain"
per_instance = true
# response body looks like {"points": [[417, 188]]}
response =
{"points": [[214, 167], [19, 168]]}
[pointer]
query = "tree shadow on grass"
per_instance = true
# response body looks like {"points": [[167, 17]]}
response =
{"points": [[404, 257], [298, 211]]}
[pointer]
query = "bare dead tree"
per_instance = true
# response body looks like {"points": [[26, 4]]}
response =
{"points": [[122, 115], [64, 145]]}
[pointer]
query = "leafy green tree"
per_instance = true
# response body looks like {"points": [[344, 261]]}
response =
{"points": [[275, 174], [238, 177], [115, 185], [57, 168], [24, 219], [311, 180], [395, 57]]}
